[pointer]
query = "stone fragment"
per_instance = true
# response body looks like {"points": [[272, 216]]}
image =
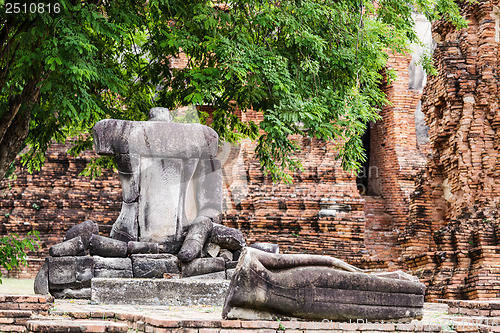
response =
{"points": [[203, 266], [142, 247], [71, 247], [316, 288], [107, 247], [154, 265], [184, 292], [112, 267], [41, 284], [213, 250], [227, 238], [70, 272], [83, 293], [85, 230], [209, 276], [226, 255], [231, 264], [230, 273], [266, 247]]}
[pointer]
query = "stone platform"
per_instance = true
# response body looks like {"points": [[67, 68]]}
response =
{"points": [[207, 319], [168, 292], [82, 316]]}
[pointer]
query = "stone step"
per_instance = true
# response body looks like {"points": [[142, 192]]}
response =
{"points": [[184, 292], [66, 325]]}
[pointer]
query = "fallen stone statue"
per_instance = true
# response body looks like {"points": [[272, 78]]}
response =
{"points": [[270, 286]]}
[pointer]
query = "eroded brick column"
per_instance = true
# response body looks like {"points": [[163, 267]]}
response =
{"points": [[451, 240]]}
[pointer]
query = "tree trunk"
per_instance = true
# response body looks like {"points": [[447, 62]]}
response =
{"points": [[13, 140], [15, 123]]}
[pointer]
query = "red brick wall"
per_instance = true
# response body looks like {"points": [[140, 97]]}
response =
{"points": [[55, 199], [451, 240], [395, 159]]}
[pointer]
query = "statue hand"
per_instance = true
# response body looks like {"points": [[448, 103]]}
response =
{"points": [[198, 233]]}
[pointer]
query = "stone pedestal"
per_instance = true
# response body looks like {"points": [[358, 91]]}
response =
{"points": [[183, 292]]}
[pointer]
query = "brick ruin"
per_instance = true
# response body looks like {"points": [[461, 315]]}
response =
{"points": [[424, 201], [54, 199], [451, 240]]}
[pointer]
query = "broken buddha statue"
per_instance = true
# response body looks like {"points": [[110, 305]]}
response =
{"points": [[171, 181], [269, 286]]}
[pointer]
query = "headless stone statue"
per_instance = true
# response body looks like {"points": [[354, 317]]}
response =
{"points": [[279, 286], [160, 163]]}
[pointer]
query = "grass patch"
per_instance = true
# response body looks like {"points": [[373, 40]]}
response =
{"points": [[16, 286]]}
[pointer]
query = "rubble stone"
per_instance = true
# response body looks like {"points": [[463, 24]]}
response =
{"points": [[203, 266], [85, 230], [154, 265], [72, 247]]}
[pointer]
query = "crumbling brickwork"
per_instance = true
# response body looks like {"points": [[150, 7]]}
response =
{"points": [[320, 212], [54, 199], [451, 240]]}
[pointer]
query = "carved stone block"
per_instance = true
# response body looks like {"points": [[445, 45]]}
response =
{"points": [[203, 266], [112, 267], [70, 272], [154, 265]]}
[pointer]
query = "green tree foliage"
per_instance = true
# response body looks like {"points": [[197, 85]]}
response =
{"points": [[13, 250], [311, 67], [60, 72]]}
